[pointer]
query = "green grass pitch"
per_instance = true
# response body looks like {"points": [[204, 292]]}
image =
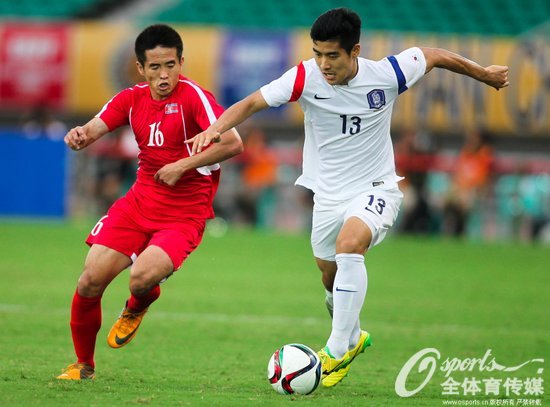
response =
{"points": [[207, 340]]}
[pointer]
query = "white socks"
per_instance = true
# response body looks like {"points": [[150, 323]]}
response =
{"points": [[350, 288], [355, 332]]}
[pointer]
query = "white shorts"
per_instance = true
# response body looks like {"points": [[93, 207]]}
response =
{"points": [[377, 208]]}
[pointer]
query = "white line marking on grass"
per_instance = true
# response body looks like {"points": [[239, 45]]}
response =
{"points": [[13, 308], [284, 320], [179, 316], [239, 318]]}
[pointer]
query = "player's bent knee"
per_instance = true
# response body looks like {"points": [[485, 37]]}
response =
{"points": [[140, 287], [90, 284], [351, 244], [142, 283]]}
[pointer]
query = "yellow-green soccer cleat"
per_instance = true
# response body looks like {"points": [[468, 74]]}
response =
{"points": [[336, 377], [77, 371], [329, 363], [125, 328]]}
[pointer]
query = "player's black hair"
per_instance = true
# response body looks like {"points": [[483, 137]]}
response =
{"points": [[339, 24], [155, 35]]}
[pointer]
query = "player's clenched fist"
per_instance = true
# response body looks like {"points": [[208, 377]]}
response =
{"points": [[169, 174], [76, 138], [497, 76]]}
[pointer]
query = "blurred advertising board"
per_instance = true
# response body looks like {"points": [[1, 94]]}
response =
{"points": [[446, 102], [42, 165], [103, 61], [33, 64], [249, 60], [79, 66]]}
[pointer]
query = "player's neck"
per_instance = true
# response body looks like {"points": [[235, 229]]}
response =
{"points": [[354, 72]]}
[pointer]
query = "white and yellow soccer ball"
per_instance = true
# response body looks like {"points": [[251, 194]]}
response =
{"points": [[294, 368]]}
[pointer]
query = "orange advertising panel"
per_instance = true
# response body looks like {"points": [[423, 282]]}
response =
{"points": [[104, 62], [99, 67]]}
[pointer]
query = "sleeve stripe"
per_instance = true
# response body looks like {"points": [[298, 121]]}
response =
{"points": [[209, 112], [298, 83], [401, 81], [104, 107], [207, 169]]}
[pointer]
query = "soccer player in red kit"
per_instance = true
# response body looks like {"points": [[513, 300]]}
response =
{"points": [[161, 219]]}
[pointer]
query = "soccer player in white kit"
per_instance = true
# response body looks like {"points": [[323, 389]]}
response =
{"points": [[348, 159]]}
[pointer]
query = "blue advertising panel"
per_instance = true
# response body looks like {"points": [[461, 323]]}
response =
{"points": [[249, 60], [33, 176]]}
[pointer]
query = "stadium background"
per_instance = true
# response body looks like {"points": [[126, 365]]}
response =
{"points": [[60, 61], [246, 292]]}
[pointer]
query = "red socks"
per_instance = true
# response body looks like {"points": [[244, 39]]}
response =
{"points": [[138, 304], [85, 324], [86, 320]]}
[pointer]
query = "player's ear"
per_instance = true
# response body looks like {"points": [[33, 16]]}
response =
{"points": [[140, 68], [181, 60], [356, 50]]}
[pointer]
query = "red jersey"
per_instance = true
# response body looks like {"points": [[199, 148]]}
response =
{"points": [[160, 128]]}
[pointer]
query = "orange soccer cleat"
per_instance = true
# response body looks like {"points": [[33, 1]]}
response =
{"points": [[77, 371], [125, 328]]}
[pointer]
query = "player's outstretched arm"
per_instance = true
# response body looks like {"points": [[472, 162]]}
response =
{"points": [[230, 145], [233, 116], [80, 137], [493, 75]]}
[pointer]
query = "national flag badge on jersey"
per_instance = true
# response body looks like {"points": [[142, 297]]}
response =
{"points": [[171, 108]]}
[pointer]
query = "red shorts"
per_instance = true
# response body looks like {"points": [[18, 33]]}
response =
{"points": [[125, 230]]}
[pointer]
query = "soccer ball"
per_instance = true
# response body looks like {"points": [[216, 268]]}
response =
{"points": [[294, 368]]}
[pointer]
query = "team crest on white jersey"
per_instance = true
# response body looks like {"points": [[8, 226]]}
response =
{"points": [[171, 108], [376, 98]]}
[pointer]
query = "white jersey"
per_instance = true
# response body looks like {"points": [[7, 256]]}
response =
{"points": [[347, 148]]}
